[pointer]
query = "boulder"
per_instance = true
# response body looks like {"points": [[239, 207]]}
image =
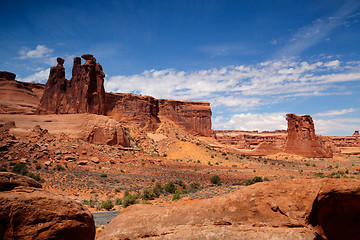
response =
{"points": [[29, 212], [301, 138], [109, 132], [83, 162], [291, 209], [95, 160]]}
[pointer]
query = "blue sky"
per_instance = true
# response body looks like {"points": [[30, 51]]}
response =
{"points": [[254, 61]]}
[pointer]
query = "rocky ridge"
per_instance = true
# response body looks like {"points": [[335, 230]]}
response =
{"points": [[292, 209]]}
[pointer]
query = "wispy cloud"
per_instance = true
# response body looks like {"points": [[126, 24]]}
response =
{"points": [[337, 126], [40, 51], [336, 112], [318, 30]]}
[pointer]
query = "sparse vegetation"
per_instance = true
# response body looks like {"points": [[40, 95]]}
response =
{"points": [[215, 180], [254, 180]]}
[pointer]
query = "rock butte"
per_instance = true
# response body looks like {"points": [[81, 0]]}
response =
{"points": [[291, 209], [29, 212]]}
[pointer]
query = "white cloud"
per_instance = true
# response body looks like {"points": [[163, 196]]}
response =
{"points": [[337, 126], [249, 122], [40, 77], [244, 85], [39, 52], [336, 112]]}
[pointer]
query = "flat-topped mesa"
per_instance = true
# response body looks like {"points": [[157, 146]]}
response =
{"points": [[84, 93], [301, 138]]}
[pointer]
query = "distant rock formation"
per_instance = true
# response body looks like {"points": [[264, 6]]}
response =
{"points": [[29, 212], [84, 93], [301, 138], [18, 97], [356, 134], [291, 209], [7, 75]]}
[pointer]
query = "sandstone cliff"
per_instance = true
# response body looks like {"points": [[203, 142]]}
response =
{"points": [[301, 138], [18, 97]]}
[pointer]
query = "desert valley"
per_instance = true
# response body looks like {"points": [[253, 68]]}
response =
{"points": [[68, 148]]}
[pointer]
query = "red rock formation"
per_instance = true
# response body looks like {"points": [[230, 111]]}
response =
{"points": [[195, 117], [84, 93], [356, 134], [291, 209], [301, 138], [134, 109], [18, 97], [7, 75], [29, 212]]}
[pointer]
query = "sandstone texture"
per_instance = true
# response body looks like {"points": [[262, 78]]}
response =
{"points": [[84, 93], [18, 97], [301, 138], [291, 209], [29, 212], [89, 127], [195, 117]]}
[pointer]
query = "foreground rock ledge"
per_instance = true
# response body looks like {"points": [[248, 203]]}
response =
{"points": [[291, 209], [29, 212]]}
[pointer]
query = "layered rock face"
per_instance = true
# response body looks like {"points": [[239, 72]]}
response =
{"points": [[29, 212], [195, 117], [146, 112], [301, 138], [84, 93], [291, 209], [140, 110], [18, 97]]}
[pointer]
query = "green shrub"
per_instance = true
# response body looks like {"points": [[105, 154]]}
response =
{"points": [[215, 180], [254, 180], [59, 168], [34, 176], [148, 194], [158, 189], [130, 200], [176, 196], [170, 187], [118, 201], [107, 205], [193, 187], [104, 175], [20, 168], [181, 184], [38, 167], [3, 169]]}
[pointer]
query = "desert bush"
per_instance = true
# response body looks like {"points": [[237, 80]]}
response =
{"points": [[254, 180], [181, 184], [130, 200], [38, 167], [170, 187], [215, 180], [107, 205], [176, 196], [20, 168], [158, 189], [34, 176], [118, 201], [3, 169], [148, 194], [193, 187], [103, 175], [59, 167]]}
